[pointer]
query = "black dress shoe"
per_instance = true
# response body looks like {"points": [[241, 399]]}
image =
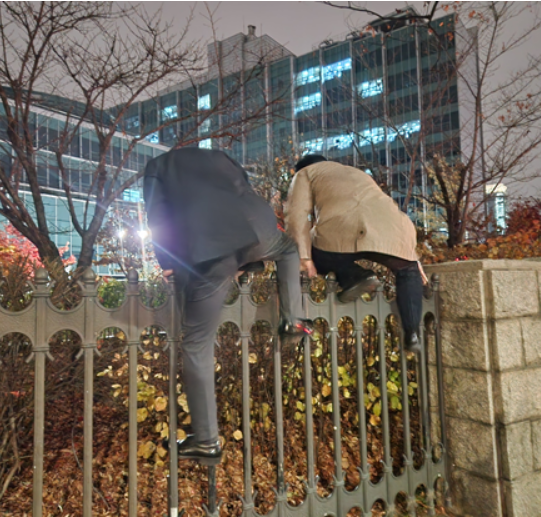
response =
{"points": [[292, 331], [207, 453], [367, 285], [412, 341]]}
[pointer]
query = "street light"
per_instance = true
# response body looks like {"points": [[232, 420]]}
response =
{"points": [[122, 233], [143, 234]]}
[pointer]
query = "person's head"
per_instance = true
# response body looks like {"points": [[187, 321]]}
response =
{"points": [[309, 159]]}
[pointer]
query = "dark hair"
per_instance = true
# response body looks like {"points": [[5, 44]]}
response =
{"points": [[309, 159]]}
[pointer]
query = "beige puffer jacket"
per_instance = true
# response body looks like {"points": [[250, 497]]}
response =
{"points": [[341, 209]]}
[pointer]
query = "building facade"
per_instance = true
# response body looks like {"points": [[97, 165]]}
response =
{"points": [[80, 160], [383, 99]]}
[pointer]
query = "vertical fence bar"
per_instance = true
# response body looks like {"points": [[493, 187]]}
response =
{"points": [[441, 387], [40, 349], [89, 347], [425, 412], [307, 350], [174, 340], [337, 426], [133, 343], [363, 439], [213, 506], [245, 329], [281, 488], [387, 458], [408, 458]]}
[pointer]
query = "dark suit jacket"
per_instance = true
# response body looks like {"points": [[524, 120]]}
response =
{"points": [[200, 207]]}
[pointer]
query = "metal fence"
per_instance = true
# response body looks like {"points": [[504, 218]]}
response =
{"points": [[41, 320]]}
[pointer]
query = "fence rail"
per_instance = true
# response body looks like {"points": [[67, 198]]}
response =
{"points": [[41, 320]]}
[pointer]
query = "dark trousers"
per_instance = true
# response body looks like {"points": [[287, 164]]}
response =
{"points": [[409, 283], [201, 299]]}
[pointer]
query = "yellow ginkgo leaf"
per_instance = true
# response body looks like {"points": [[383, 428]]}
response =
{"points": [[237, 435], [160, 404], [142, 414], [326, 390]]}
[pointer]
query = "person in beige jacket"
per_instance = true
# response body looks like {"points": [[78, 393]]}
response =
{"points": [[338, 215]]}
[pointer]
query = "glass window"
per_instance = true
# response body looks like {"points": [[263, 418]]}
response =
{"points": [[339, 142], [206, 144], [336, 69], [132, 195], [203, 103], [310, 75], [371, 88], [312, 146], [308, 102], [153, 138], [131, 122], [170, 113]]}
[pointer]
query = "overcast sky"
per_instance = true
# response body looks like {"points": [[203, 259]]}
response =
{"points": [[301, 26]]}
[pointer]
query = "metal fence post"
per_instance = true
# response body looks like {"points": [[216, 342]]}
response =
{"points": [[174, 341], [39, 350], [88, 349], [133, 344]]}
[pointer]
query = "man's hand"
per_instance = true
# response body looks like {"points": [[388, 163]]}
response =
{"points": [[308, 266], [166, 273]]}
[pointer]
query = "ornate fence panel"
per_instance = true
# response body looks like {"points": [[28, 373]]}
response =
{"points": [[395, 395]]}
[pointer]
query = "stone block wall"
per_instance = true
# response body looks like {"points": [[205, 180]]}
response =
{"points": [[491, 348]]}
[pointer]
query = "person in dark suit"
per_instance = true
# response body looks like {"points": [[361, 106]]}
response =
{"points": [[207, 223]]}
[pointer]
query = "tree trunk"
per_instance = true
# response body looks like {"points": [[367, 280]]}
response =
{"points": [[87, 252], [51, 259]]}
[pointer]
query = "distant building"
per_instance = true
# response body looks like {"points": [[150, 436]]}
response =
{"points": [[357, 101], [385, 98], [496, 207], [48, 118]]}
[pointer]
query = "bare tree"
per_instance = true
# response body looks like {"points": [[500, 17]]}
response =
{"points": [[499, 137], [500, 132], [428, 13], [90, 64]]}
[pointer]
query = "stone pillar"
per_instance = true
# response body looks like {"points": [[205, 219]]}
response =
{"points": [[491, 347]]}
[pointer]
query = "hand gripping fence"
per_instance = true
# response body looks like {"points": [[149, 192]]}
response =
{"points": [[41, 320]]}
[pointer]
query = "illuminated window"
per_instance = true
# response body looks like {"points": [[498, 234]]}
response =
{"points": [[336, 69], [133, 195], [170, 112], [308, 102], [153, 138], [203, 103], [377, 135], [131, 122], [205, 126], [206, 144], [370, 88], [405, 130], [313, 146], [311, 75], [340, 141], [371, 136]]}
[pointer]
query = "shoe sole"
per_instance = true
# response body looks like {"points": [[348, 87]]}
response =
{"points": [[350, 295]]}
